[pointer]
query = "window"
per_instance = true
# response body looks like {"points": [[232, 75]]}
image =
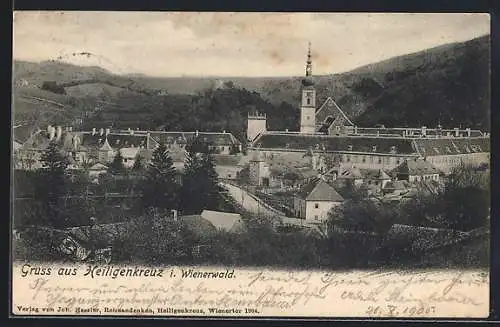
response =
{"points": [[316, 217], [364, 159], [316, 205], [308, 117], [348, 158], [229, 175], [308, 101], [379, 160]]}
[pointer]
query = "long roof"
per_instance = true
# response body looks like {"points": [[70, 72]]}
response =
{"points": [[384, 145], [333, 143], [182, 138]]}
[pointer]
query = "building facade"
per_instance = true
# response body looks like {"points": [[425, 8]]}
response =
{"points": [[330, 133]]}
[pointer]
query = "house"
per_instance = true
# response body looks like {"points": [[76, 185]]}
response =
{"points": [[224, 221], [396, 187], [351, 175], [375, 179], [96, 170], [218, 142], [315, 199], [106, 152], [129, 155], [228, 166], [415, 170]]}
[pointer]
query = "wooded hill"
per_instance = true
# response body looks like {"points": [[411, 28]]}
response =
{"points": [[448, 84]]}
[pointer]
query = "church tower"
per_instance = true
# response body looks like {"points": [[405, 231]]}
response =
{"points": [[308, 103]]}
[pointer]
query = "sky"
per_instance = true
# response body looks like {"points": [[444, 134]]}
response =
{"points": [[233, 44]]}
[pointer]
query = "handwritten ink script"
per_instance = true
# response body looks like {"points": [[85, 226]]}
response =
{"points": [[107, 290]]}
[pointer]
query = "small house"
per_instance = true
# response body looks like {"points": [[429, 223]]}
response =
{"points": [[315, 199]]}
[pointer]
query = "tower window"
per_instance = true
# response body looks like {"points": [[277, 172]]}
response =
{"points": [[308, 117], [308, 100]]}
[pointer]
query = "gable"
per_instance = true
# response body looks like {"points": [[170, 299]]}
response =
{"points": [[330, 112]]}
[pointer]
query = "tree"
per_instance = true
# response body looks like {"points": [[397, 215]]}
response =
{"points": [[160, 188], [51, 183], [364, 215], [465, 200], [138, 163], [116, 167], [200, 187]]}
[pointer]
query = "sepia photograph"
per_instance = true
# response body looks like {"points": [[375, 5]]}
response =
{"points": [[318, 149]]}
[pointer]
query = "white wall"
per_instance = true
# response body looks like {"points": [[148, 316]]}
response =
{"points": [[321, 212]]}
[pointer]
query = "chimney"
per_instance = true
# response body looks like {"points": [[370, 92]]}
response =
{"points": [[423, 131], [58, 133], [131, 132], [52, 132], [196, 133], [224, 132], [93, 131], [286, 130], [108, 130], [101, 132], [49, 128], [355, 129], [468, 132], [457, 132], [174, 215], [70, 128]]}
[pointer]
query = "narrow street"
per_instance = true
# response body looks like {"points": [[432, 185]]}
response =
{"points": [[250, 202]]}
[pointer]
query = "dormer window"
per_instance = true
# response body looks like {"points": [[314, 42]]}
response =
{"points": [[448, 150], [436, 150], [374, 148], [349, 148], [393, 149], [117, 141]]}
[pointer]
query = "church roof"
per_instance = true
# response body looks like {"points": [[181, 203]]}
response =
{"points": [[331, 108], [319, 190]]}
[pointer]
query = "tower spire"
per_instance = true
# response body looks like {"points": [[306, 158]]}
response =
{"points": [[309, 62]]}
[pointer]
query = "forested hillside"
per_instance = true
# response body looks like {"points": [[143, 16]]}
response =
{"points": [[447, 85]]}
